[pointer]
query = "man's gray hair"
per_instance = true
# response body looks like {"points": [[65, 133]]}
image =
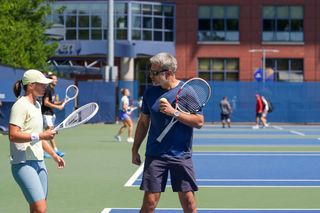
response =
{"points": [[166, 61]]}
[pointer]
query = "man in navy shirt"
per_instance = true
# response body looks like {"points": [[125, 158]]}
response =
{"points": [[174, 153]]}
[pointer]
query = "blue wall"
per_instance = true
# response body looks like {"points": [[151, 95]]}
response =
{"points": [[8, 76], [102, 93], [292, 102]]}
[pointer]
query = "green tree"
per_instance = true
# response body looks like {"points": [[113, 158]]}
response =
{"points": [[22, 39]]}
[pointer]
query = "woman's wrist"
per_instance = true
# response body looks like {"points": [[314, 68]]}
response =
{"points": [[35, 137]]}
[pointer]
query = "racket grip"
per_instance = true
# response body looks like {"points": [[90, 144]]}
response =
{"points": [[165, 131]]}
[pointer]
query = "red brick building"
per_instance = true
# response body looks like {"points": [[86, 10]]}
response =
{"points": [[252, 23]]}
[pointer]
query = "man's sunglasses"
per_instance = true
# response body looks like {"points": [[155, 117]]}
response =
{"points": [[156, 72]]}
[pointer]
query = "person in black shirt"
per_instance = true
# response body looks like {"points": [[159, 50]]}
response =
{"points": [[50, 102]]}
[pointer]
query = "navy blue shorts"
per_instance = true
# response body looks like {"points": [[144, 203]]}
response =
{"points": [[123, 115], [225, 117], [155, 174]]}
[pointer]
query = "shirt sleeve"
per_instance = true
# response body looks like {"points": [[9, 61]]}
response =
{"points": [[18, 115]]}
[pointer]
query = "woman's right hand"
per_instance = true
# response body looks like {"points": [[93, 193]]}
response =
{"points": [[48, 134]]}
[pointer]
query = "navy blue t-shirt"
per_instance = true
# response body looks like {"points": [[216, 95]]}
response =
{"points": [[178, 141]]}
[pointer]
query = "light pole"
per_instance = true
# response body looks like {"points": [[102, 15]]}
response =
{"points": [[264, 53]]}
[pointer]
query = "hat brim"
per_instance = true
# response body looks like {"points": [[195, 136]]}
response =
{"points": [[44, 81]]}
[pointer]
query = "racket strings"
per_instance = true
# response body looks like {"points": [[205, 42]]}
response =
{"points": [[81, 115], [193, 96], [71, 92]]}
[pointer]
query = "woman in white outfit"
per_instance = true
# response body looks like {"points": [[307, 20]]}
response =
{"points": [[124, 116], [28, 140]]}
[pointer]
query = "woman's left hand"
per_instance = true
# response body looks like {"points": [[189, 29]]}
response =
{"points": [[61, 163]]}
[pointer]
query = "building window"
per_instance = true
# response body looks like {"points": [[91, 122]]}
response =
{"points": [[141, 67], [121, 21], [87, 21], [218, 23], [152, 22], [218, 69], [81, 21], [289, 70], [283, 24]]}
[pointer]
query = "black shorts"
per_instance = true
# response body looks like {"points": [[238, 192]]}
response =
{"points": [[225, 117], [259, 114], [155, 174]]}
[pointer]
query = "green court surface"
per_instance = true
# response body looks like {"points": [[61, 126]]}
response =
{"points": [[97, 167]]}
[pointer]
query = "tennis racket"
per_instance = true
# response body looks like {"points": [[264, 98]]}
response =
{"points": [[79, 116], [71, 93], [192, 96], [131, 109]]}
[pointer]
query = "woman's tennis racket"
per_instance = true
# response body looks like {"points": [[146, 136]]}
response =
{"points": [[79, 116], [71, 93], [192, 96], [131, 109]]}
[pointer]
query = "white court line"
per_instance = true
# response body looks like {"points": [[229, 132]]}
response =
{"points": [[260, 180], [292, 131], [106, 210], [277, 127], [297, 133], [135, 176], [216, 209], [254, 180]]}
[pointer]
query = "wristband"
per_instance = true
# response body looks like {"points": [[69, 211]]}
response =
{"points": [[35, 137]]}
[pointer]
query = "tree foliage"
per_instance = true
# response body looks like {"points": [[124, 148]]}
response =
{"points": [[22, 39]]}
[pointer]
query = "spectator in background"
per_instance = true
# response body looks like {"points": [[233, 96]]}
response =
{"points": [[226, 110], [259, 110], [124, 116], [49, 103], [265, 111]]}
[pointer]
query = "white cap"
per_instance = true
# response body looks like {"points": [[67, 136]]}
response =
{"points": [[34, 76]]}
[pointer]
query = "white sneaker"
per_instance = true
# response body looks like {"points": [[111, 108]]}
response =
{"points": [[267, 125], [117, 137], [130, 140], [255, 127]]}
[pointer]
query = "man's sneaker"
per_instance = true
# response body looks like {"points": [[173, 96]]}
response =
{"points": [[46, 155], [117, 137], [130, 140], [255, 127], [61, 154]]}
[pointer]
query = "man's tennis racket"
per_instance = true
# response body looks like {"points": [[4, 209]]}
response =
{"points": [[71, 93], [79, 116], [192, 96]]}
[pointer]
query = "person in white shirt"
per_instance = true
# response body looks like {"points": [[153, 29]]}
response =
{"points": [[265, 111], [124, 116], [28, 141]]}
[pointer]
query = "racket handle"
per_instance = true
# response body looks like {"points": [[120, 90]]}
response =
{"points": [[165, 131]]}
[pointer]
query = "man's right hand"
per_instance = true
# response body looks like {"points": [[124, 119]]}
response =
{"points": [[136, 159]]}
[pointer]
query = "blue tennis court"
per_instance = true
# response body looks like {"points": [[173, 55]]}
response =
{"points": [[280, 168], [244, 135], [135, 210], [253, 169]]}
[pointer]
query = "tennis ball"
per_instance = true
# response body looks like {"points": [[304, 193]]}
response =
{"points": [[163, 100]]}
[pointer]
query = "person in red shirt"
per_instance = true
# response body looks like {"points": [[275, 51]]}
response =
{"points": [[259, 111]]}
